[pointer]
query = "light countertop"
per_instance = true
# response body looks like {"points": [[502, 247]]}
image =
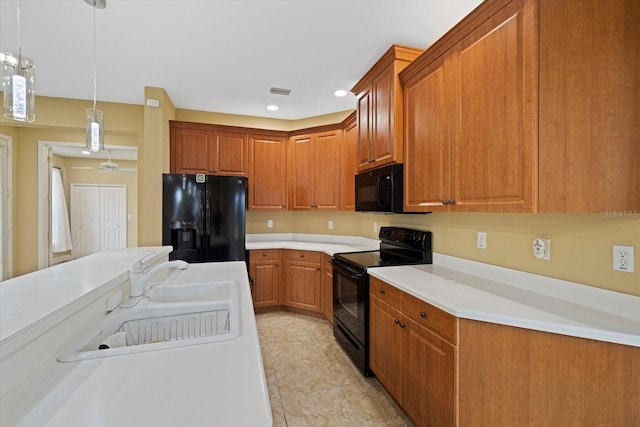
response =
{"points": [[493, 294], [327, 244], [31, 298], [473, 290], [219, 383]]}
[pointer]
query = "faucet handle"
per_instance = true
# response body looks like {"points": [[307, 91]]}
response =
{"points": [[136, 266]]}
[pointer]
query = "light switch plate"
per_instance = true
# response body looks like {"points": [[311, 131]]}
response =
{"points": [[482, 240]]}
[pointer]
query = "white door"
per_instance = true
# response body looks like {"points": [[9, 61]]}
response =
{"points": [[113, 224], [98, 218]]}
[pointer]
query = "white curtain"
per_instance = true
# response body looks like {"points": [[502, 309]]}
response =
{"points": [[60, 230]]}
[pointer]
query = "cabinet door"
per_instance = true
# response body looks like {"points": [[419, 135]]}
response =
{"points": [[494, 115], [383, 118], [364, 123], [385, 346], [265, 272], [326, 166], [302, 172], [267, 177], [426, 145], [428, 386], [230, 154], [326, 295], [302, 285], [349, 167], [191, 151]]}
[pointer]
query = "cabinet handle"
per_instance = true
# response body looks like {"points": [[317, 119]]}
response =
{"points": [[284, 206], [381, 291], [452, 201], [423, 314], [301, 255], [402, 325], [277, 265], [264, 254], [318, 269], [445, 202], [396, 321]]}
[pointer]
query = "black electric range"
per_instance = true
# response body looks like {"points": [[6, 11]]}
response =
{"points": [[398, 246]]}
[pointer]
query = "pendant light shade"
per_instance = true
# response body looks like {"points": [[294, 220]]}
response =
{"points": [[18, 82], [94, 128], [94, 125]]}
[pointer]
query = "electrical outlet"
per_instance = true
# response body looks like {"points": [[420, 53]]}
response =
{"points": [[623, 258], [375, 227], [482, 240], [542, 248], [330, 225], [269, 223]]}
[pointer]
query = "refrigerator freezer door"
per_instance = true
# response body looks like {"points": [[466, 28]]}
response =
{"points": [[183, 216]]}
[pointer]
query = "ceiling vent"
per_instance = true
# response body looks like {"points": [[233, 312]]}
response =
{"points": [[280, 91]]}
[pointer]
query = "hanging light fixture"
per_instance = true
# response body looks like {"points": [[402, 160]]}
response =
{"points": [[18, 82], [94, 125]]}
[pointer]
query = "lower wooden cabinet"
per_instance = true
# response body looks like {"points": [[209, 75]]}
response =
{"points": [[326, 293], [302, 274], [445, 371], [265, 272], [414, 364]]}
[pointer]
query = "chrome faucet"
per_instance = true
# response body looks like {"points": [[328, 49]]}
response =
{"points": [[139, 281]]}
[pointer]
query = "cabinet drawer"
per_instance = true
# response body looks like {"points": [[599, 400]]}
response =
{"points": [[308, 256], [266, 254], [385, 292], [432, 318]]}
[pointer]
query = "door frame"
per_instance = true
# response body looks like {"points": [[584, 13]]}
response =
{"points": [[7, 206], [44, 189]]}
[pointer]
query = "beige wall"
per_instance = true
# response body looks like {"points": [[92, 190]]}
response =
{"points": [[56, 120], [581, 245]]}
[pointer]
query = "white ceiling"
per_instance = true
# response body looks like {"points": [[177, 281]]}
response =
{"points": [[219, 56]]}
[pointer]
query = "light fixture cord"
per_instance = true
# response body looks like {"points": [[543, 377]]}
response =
{"points": [[95, 56], [18, 31]]}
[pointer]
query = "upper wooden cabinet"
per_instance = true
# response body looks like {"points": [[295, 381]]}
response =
{"points": [[267, 173], [349, 163], [314, 165], [200, 148], [470, 140], [379, 110], [526, 106]]}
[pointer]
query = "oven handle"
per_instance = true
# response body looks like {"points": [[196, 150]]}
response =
{"points": [[348, 271]]}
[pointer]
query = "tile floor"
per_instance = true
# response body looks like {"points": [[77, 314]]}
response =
{"points": [[311, 380]]}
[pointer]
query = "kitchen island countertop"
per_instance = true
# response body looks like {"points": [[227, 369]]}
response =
{"points": [[219, 383]]}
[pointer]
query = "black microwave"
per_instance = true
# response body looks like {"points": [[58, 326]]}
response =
{"points": [[380, 190]]}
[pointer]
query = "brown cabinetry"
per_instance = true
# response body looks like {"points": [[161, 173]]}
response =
{"points": [[379, 109], [265, 272], [326, 294], [470, 139], [302, 280], [349, 163], [524, 106], [410, 355], [315, 170], [267, 176], [199, 148]]}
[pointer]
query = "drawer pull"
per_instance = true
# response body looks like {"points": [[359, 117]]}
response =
{"points": [[301, 255], [423, 314], [396, 321], [381, 291]]}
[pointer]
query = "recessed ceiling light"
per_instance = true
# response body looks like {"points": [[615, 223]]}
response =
{"points": [[340, 93], [272, 107]]}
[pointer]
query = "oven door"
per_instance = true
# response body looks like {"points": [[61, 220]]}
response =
{"points": [[350, 294]]}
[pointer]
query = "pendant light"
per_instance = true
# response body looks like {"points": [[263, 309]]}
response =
{"points": [[94, 125], [18, 82]]}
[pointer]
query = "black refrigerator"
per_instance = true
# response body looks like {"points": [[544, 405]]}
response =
{"points": [[203, 217]]}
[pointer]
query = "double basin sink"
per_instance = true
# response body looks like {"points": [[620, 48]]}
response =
{"points": [[168, 316]]}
